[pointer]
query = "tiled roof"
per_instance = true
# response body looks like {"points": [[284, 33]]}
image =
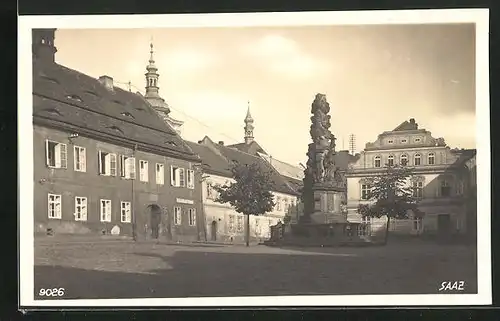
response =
{"points": [[211, 162], [218, 159], [285, 169], [69, 99], [252, 148]]}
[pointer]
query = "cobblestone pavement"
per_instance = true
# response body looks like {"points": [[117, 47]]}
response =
{"points": [[135, 270]]}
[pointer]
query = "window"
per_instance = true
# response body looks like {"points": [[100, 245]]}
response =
{"points": [[177, 216], [365, 191], [445, 188], [417, 140], [105, 211], [393, 224], [418, 189], [125, 212], [460, 188], [376, 161], [416, 159], [364, 228], [190, 178], [107, 163], [390, 141], [404, 160], [80, 163], [210, 191], [177, 176], [192, 217], [430, 159], [390, 160], [80, 208], [240, 223], [160, 174], [127, 167], [417, 224], [182, 178], [404, 141], [231, 224], [54, 206], [278, 204], [56, 154], [143, 171]]}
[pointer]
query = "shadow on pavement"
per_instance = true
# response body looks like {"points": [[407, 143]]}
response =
{"points": [[198, 273]]}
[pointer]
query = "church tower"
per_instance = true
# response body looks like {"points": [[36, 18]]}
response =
{"points": [[153, 96], [248, 127]]}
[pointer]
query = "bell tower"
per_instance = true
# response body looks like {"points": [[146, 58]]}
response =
{"points": [[248, 127], [43, 47], [152, 76]]}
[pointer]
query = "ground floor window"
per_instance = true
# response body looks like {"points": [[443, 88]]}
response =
{"points": [[417, 224], [365, 227], [177, 216], [192, 217], [80, 208], [392, 223], [239, 226], [125, 212], [231, 224], [105, 210], [54, 208]]}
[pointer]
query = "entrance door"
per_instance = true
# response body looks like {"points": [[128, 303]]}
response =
{"points": [[213, 231], [444, 224], [155, 220]]}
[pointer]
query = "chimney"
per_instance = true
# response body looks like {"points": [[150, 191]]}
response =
{"points": [[412, 121], [221, 142], [42, 45], [107, 82], [200, 141]]}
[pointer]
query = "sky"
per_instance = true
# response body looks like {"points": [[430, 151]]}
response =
{"points": [[374, 77]]}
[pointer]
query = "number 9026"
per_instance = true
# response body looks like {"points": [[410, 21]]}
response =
{"points": [[51, 292]]}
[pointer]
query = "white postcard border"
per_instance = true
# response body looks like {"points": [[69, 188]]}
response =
{"points": [[25, 142]]}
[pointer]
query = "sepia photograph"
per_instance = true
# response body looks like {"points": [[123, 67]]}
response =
{"points": [[271, 159]]}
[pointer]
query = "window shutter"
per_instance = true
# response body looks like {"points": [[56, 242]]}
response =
{"points": [[64, 156], [83, 160], [57, 155], [132, 167], [172, 176], [122, 166], [47, 152], [99, 165], [112, 164]]}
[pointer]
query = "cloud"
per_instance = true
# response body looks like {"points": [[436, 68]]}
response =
{"points": [[283, 55]]}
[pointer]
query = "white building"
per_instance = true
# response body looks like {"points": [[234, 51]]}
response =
{"points": [[441, 179]]}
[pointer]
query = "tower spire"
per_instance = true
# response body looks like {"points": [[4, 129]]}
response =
{"points": [[152, 75], [248, 126]]}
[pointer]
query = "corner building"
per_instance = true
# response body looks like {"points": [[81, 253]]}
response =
{"points": [[443, 179], [105, 163]]}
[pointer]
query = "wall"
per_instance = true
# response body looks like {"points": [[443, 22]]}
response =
{"points": [[70, 183], [221, 214]]}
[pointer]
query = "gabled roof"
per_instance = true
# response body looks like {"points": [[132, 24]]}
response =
{"points": [[285, 169], [218, 159], [70, 100], [252, 148]]}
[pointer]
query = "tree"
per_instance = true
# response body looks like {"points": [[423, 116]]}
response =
{"points": [[249, 194], [390, 195]]}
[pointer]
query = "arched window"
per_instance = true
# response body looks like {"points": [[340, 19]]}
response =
{"points": [[416, 159], [403, 160], [431, 159], [376, 161], [390, 160]]}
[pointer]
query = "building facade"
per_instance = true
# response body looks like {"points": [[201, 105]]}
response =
{"points": [[440, 180], [223, 223], [104, 161]]}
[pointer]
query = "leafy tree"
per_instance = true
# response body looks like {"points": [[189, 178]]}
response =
{"points": [[390, 195], [249, 194]]}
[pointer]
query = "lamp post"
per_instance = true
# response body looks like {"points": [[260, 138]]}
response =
{"points": [[199, 170]]}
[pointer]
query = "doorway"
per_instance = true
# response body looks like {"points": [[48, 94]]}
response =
{"points": [[444, 224], [213, 231], [155, 220]]}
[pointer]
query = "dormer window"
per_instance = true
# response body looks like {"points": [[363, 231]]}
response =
{"points": [[127, 114], [91, 93], [53, 111], [49, 79], [117, 102], [116, 128], [75, 97], [171, 143], [140, 108]]}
